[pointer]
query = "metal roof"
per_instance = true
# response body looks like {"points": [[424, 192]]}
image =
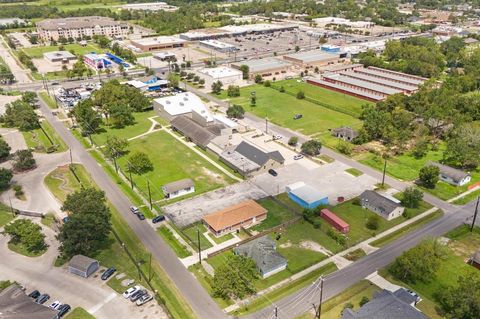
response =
{"points": [[361, 84], [308, 194], [376, 97], [197, 133], [81, 262], [313, 56], [380, 81], [261, 65], [391, 76]]}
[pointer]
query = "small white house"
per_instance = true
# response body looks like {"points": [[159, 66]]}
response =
{"points": [[386, 207], [452, 175], [178, 188]]}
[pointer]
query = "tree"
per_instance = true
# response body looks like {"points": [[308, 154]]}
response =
{"points": [[115, 146], [428, 176], [235, 111], [139, 163], [462, 300], [27, 234], [173, 80], [245, 71], [258, 78], [411, 197], [419, 263], [217, 87], [463, 147], [121, 115], [373, 222], [293, 141], [300, 95], [23, 160], [86, 117], [88, 226], [20, 114], [297, 48], [5, 178], [345, 147], [253, 100], [201, 82], [30, 98], [234, 279], [267, 84], [233, 91], [311, 147], [4, 149], [281, 89]]}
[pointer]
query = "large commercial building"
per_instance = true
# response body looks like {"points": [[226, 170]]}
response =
{"points": [[158, 43], [219, 46], [264, 67], [223, 74], [78, 27], [59, 56], [149, 6], [372, 83], [313, 58], [234, 30]]}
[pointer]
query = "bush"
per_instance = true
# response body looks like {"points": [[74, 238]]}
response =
{"points": [[363, 301], [373, 222], [23, 160], [311, 147], [292, 141], [281, 89], [267, 84], [411, 197], [428, 176], [300, 95], [236, 111], [345, 147]]}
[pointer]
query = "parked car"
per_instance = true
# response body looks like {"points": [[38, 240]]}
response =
{"points": [[272, 172], [63, 309], [130, 291], [134, 209], [108, 273], [144, 299], [42, 299], [277, 137], [297, 157], [158, 219], [140, 216], [34, 294], [137, 295], [56, 305], [297, 116]]}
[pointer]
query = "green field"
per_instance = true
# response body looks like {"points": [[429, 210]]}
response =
{"points": [[46, 140], [173, 161], [180, 250], [277, 214], [37, 52], [62, 181], [79, 313], [6, 215], [281, 107]]}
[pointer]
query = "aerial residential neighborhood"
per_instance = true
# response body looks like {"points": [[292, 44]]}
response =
{"points": [[220, 159]]}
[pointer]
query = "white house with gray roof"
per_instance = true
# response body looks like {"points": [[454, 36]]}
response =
{"points": [[452, 175], [178, 188], [386, 207], [263, 251]]}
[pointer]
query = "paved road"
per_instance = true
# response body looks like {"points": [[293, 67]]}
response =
{"points": [[21, 75], [199, 300]]}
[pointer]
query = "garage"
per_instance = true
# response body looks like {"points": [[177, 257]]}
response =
{"points": [[83, 266]]}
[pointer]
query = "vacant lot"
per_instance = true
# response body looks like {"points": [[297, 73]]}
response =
{"points": [[44, 139], [277, 214], [172, 161], [37, 52]]}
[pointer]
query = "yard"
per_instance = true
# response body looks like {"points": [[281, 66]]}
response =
{"points": [[37, 52], [79, 313], [6, 215], [172, 161], [44, 139], [62, 180], [277, 214], [191, 233], [180, 250], [280, 108]]}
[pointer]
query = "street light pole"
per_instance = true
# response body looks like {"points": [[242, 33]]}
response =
{"points": [[319, 312], [475, 214]]}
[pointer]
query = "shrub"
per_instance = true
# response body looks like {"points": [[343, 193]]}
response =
{"points": [[293, 141], [300, 95], [373, 222], [363, 301]]}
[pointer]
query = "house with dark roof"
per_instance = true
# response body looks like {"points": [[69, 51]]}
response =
{"points": [[15, 304], [452, 175], [178, 188], [263, 251], [386, 207], [83, 266], [345, 133], [193, 131], [248, 160], [387, 305]]}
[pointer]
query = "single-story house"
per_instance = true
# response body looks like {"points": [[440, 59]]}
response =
{"points": [[178, 188], [337, 223], [475, 259], [83, 266], [15, 304], [263, 251], [452, 175], [386, 207], [305, 195], [345, 133], [230, 219], [249, 160], [386, 304]]}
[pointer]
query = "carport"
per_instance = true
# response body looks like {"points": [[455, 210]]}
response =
{"points": [[83, 266]]}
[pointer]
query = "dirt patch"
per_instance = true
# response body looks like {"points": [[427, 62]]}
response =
{"points": [[217, 178], [286, 245], [311, 245]]}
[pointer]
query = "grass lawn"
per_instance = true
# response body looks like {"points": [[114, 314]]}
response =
{"points": [[355, 255], [326, 158], [179, 249], [22, 250], [173, 161], [446, 191], [206, 280], [264, 301], [353, 171], [468, 198], [44, 140], [62, 181], [48, 220], [6, 215], [79, 313], [277, 214], [48, 99], [281, 107], [37, 52], [191, 233], [221, 239]]}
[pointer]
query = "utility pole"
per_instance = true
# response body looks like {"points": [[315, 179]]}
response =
{"points": [[384, 171], [71, 159], [150, 268], [115, 163], [475, 214], [319, 312], [149, 194], [199, 247], [130, 173], [276, 312]]}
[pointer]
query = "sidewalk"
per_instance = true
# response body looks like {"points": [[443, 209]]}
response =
{"points": [[191, 260]]}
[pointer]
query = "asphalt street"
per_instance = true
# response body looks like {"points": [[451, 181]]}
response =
{"points": [[198, 299]]}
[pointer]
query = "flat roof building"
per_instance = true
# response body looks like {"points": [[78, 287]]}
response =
{"points": [[79, 27], [219, 45], [149, 6], [313, 58], [234, 217], [223, 74], [15, 304], [158, 43], [264, 67], [306, 196], [59, 56], [181, 104]]}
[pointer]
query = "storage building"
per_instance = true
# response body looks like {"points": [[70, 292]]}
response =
{"points": [[337, 223], [264, 67], [306, 196], [59, 56], [179, 188], [223, 74], [83, 266]]}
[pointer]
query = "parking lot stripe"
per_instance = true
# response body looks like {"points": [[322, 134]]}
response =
{"points": [[100, 305]]}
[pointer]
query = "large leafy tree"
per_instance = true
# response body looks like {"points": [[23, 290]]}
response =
{"points": [[311, 147], [463, 147], [429, 176], [20, 114], [27, 234], [235, 111], [115, 146], [411, 197], [88, 226], [23, 160], [139, 163], [463, 300], [86, 117], [5, 178], [234, 279], [4, 149]]}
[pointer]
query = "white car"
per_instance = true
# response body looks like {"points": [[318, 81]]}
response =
{"points": [[297, 157], [144, 299], [130, 291], [55, 305]]}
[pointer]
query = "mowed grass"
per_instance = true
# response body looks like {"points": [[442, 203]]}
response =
{"points": [[180, 250], [277, 214], [6, 215], [280, 109], [191, 233], [62, 180], [48, 100], [37, 52], [172, 161], [46, 140], [79, 313]]}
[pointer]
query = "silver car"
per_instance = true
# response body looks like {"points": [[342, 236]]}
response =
{"points": [[144, 299]]}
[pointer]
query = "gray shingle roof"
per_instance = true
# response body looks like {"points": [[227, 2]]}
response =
{"points": [[256, 155], [177, 185], [263, 251], [453, 173], [197, 133], [15, 304], [345, 131], [383, 204], [81, 262], [384, 305]]}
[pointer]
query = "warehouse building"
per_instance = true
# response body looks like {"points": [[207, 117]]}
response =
{"points": [[264, 67], [313, 58], [219, 46], [158, 43], [223, 74], [306, 196], [59, 56], [15, 304], [182, 104]]}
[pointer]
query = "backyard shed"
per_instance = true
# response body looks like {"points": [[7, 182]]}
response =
{"points": [[83, 266], [337, 223], [306, 196]]}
